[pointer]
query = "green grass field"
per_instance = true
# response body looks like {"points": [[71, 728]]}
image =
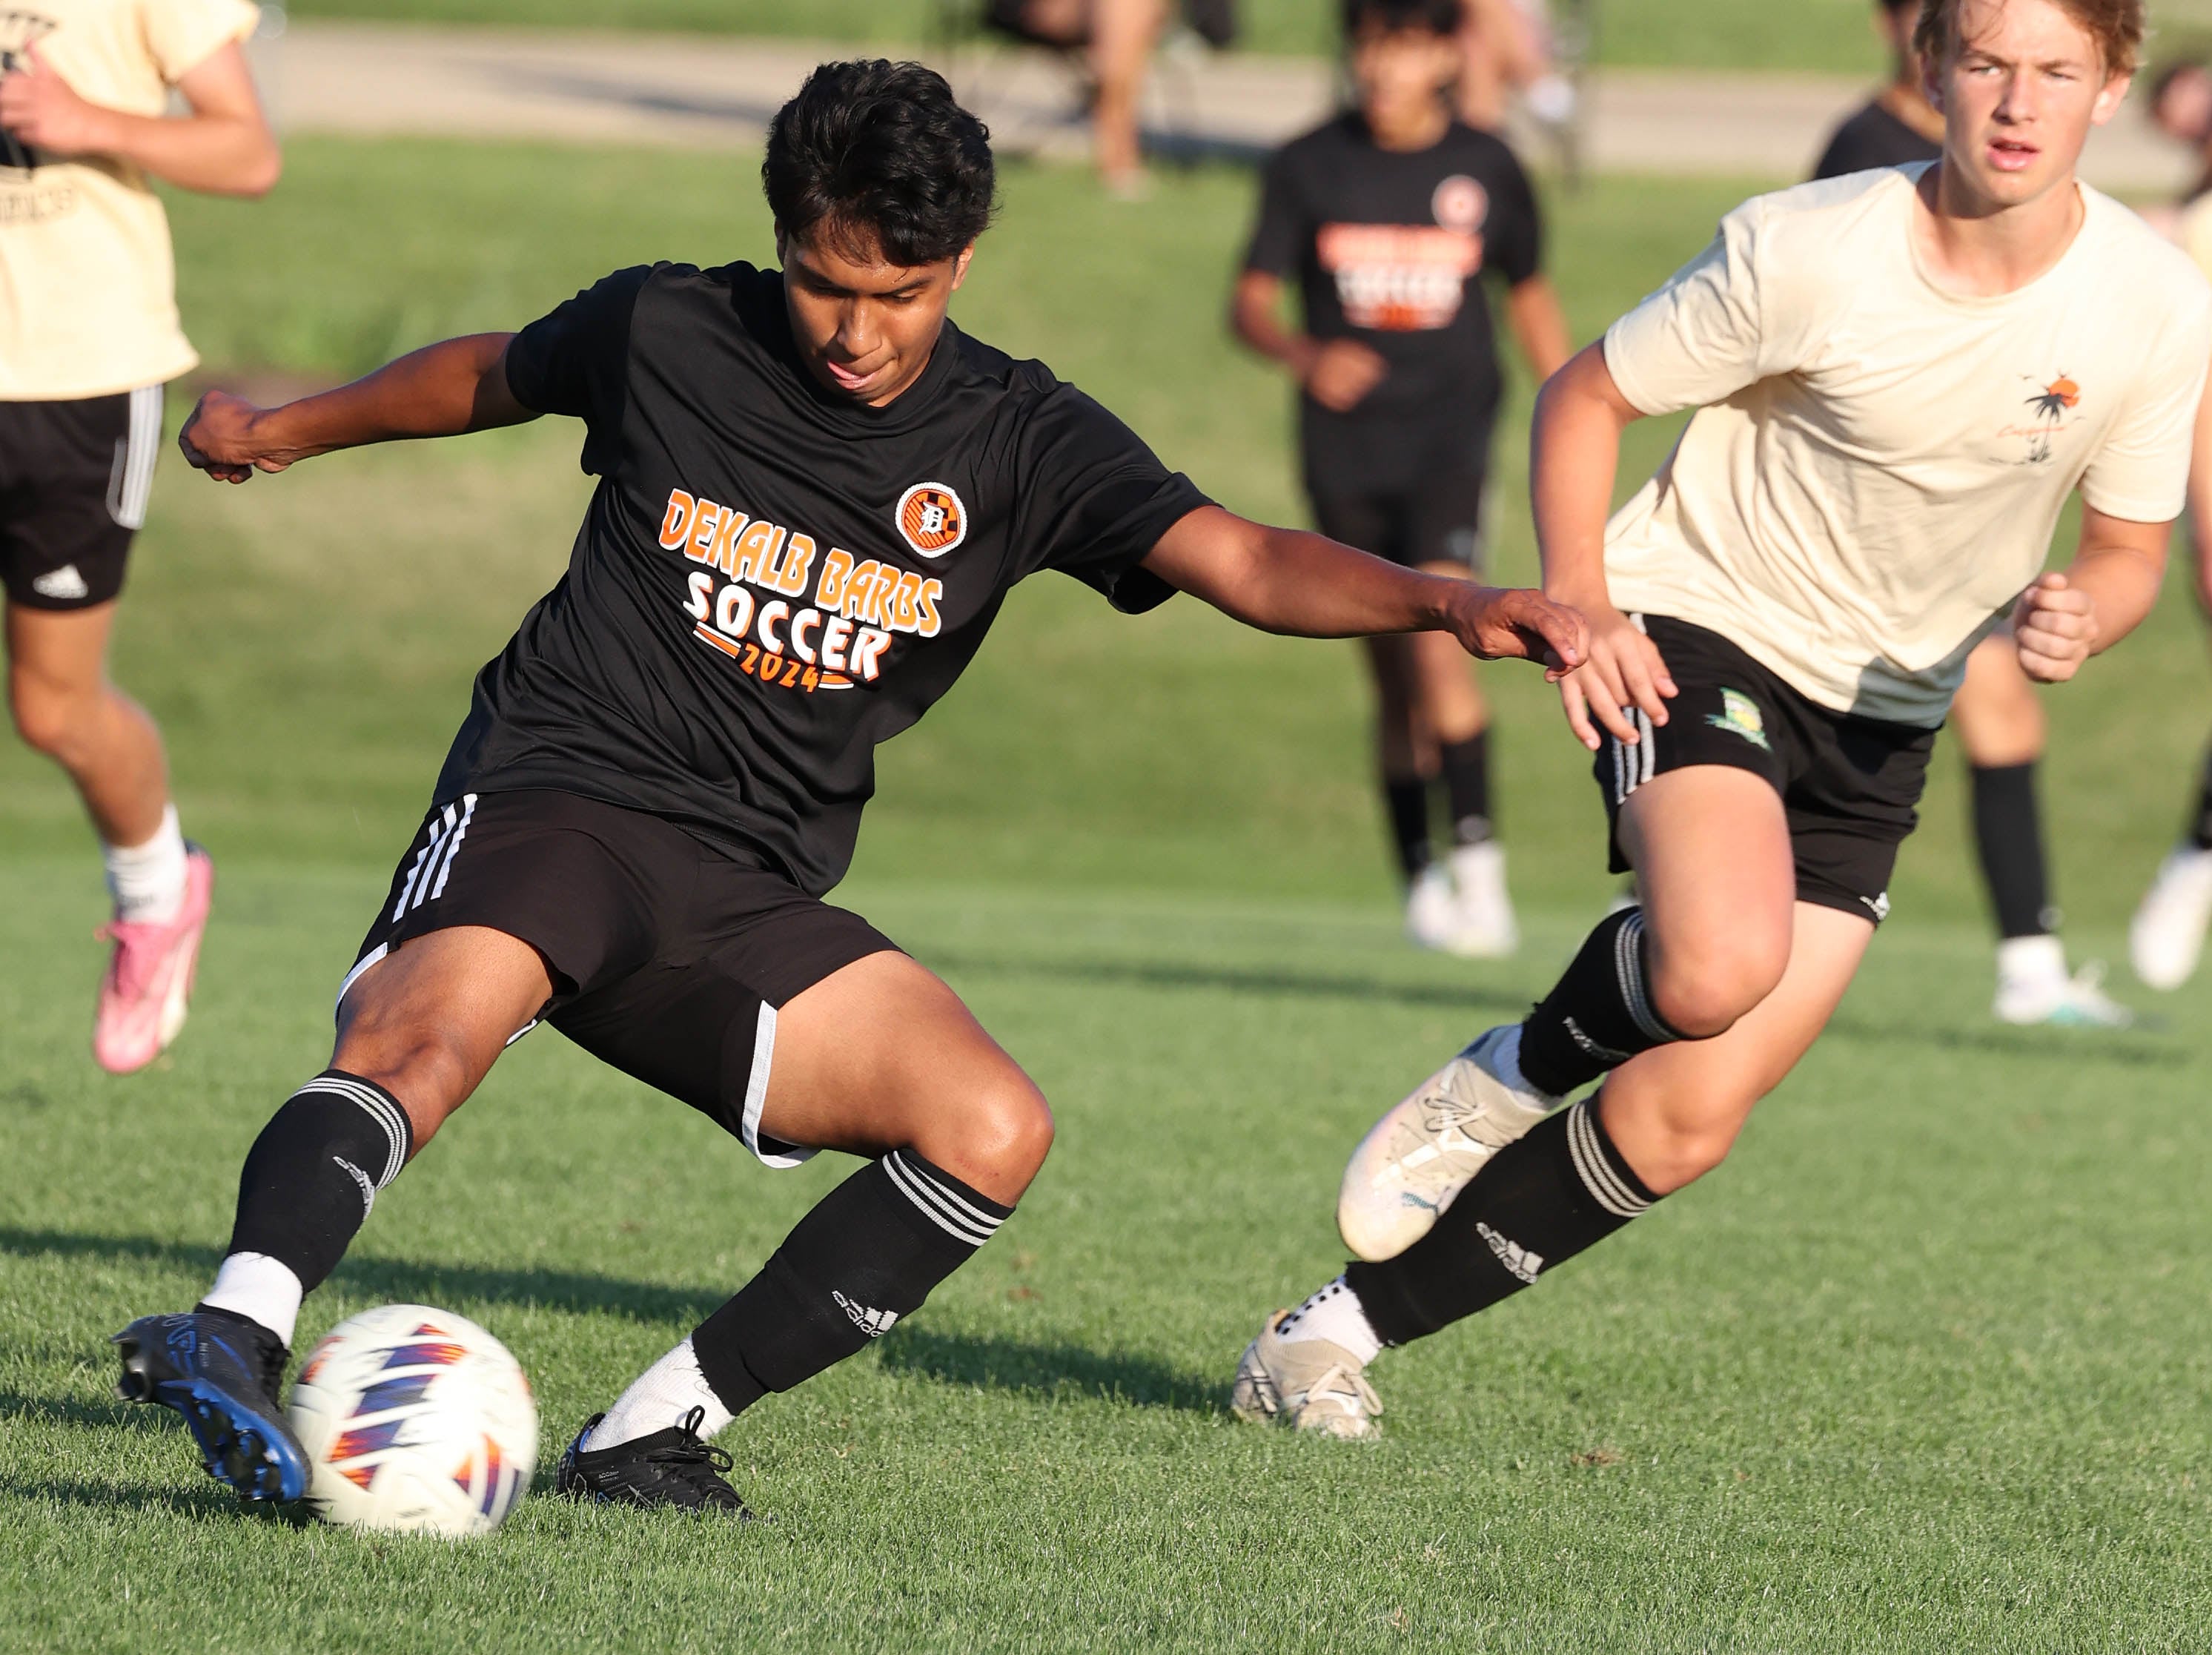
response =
{"points": [[1924, 1368], [1820, 36]]}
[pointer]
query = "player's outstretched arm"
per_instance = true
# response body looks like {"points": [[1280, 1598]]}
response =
{"points": [[1575, 454], [1306, 585], [445, 389], [2064, 618], [223, 147]]}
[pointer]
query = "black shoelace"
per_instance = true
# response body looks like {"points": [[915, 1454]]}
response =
{"points": [[691, 1460]]}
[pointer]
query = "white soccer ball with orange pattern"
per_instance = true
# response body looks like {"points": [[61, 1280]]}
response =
{"points": [[415, 1420]]}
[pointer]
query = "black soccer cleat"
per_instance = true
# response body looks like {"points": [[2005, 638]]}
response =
{"points": [[222, 1372], [670, 1468]]}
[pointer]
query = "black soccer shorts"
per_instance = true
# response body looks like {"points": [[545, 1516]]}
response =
{"points": [[74, 480], [1436, 519], [1849, 785], [669, 960]]}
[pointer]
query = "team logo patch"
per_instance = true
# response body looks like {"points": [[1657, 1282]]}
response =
{"points": [[931, 520], [1739, 716], [1460, 203]]}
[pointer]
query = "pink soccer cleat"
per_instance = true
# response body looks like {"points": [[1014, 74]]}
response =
{"points": [[142, 997]]}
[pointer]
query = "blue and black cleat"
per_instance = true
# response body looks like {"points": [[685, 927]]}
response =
{"points": [[222, 1372]]}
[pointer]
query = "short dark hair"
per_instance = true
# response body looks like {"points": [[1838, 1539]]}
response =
{"points": [[880, 158], [1397, 16]]}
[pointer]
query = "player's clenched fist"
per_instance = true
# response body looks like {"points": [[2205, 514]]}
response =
{"points": [[2054, 627], [220, 439], [1495, 622]]}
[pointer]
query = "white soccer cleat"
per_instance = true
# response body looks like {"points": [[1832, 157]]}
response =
{"points": [[2167, 935], [2078, 1002], [1431, 909], [1420, 1156], [1483, 926], [1309, 1384]]}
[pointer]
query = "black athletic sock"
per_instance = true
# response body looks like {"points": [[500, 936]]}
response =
{"points": [[2200, 828], [2009, 834], [869, 1253], [1599, 1015], [1560, 1190], [312, 1175], [1406, 802], [1465, 767]]}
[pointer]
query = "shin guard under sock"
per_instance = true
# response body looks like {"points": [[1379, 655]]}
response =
{"points": [[312, 1175], [869, 1253], [1600, 1013], [1560, 1190], [2009, 835]]}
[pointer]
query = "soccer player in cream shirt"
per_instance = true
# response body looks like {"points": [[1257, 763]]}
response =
{"points": [[1900, 377], [88, 336]]}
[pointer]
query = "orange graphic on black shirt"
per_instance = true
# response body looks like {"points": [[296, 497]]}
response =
{"points": [[1399, 278], [931, 520]]}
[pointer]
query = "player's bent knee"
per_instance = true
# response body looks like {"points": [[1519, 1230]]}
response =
{"points": [[50, 721], [429, 1072], [1702, 994], [1000, 1135]]}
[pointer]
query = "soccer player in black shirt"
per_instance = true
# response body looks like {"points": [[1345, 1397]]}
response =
{"points": [[1387, 218], [1898, 126], [1998, 714], [814, 494]]}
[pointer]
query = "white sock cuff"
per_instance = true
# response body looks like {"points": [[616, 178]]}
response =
{"points": [[169, 840], [659, 1398], [1335, 1314], [262, 1289], [147, 881]]}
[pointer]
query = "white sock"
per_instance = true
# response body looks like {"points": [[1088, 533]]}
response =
{"points": [[658, 1398], [1334, 1314], [258, 1285], [2031, 959], [147, 881], [1504, 1061]]}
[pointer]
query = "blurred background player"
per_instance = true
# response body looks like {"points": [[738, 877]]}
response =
{"points": [[1505, 51], [2166, 938], [1116, 37], [1999, 720], [1387, 218], [88, 336]]}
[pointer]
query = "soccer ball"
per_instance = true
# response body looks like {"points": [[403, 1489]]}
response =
{"points": [[415, 1419]]}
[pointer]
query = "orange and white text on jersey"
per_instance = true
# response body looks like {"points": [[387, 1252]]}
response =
{"points": [[738, 601], [1399, 278]]}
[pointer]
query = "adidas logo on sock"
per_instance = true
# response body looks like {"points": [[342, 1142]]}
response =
{"points": [[1512, 1254], [1604, 1054], [368, 1185], [874, 1324]]}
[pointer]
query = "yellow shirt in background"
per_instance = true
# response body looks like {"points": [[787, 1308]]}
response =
{"points": [[1876, 467], [88, 300]]}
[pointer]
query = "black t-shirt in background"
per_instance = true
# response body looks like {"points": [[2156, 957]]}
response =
{"points": [[1389, 247], [770, 580], [1871, 139]]}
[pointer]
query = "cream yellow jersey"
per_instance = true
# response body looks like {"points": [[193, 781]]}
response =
{"points": [[1877, 465], [88, 300]]}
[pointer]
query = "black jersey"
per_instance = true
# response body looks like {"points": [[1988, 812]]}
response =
{"points": [[1871, 139], [1389, 248], [771, 579]]}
